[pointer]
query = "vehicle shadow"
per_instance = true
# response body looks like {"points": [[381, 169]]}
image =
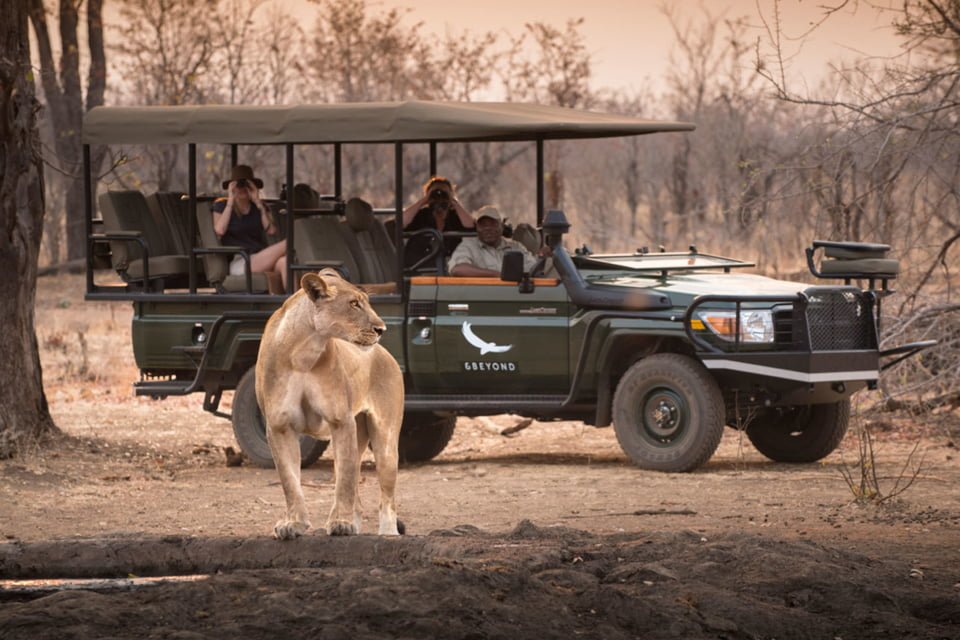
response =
{"points": [[557, 459]]}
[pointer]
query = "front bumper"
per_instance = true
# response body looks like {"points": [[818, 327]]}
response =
{"points": [[786, 379], [825, 347], [806, 368]]}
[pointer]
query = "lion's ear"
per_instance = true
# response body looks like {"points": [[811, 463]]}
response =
{"points": [[330, 271], [315, 287]]}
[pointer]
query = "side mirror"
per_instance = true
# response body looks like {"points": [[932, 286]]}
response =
{"points": [[512, 268], [512, 271]]}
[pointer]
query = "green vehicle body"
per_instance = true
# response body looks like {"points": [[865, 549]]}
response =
{"points": [[564, 360], [598, 337]]}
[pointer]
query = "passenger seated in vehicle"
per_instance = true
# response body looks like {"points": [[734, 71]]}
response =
{"points": [[482, 256], [438, 209], [241, 219]]}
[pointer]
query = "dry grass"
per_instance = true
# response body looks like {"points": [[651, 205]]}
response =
{"points": [[85, 347]]}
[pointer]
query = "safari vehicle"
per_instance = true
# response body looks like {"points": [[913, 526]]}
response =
{"points": [[669, 347]]}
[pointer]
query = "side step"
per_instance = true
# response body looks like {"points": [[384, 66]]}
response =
{"points": [[162, 388], [496, 403]]}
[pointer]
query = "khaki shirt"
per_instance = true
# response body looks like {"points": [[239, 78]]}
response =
{"points": [[472, 251]]}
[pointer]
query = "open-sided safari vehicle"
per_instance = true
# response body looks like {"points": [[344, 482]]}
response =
{"points": [[669, 347]]}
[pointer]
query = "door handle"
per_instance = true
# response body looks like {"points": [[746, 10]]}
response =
{"points": [[422, 331], [458, 307]]}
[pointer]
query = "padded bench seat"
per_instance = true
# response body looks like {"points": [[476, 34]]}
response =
{"points": [[875, 267]]}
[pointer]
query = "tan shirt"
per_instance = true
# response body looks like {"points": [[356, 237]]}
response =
{"points": [[483, 256]]}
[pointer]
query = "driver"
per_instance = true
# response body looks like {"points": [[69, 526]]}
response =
{"points": [[483, 255], [438, 209]]}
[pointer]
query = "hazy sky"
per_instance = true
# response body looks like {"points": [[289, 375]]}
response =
{"points": [[630, 40]]}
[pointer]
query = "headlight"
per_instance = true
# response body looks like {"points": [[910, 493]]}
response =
{"points": [[756, 325]]}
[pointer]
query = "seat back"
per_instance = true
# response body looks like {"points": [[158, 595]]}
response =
{"points": [[321, 238], [324, 238], [171, 211], [129, 211], [377, 256], [215, 265]]}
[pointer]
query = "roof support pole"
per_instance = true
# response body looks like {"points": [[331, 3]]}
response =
{"points": [[233, 155], [398, 216], [88, 214], [192, 208], [540, 183], [337, 170], [433, 159], [291, 257]]}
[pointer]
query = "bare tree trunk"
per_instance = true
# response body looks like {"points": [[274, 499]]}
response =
{"points": [[64, 97], [24, 414]]}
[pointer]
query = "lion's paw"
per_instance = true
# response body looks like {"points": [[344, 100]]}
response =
{"points": [[290, 529], [388, 529], [342, 528]]}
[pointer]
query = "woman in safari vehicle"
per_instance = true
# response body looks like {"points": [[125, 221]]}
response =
{"points": [[242, 220], [439, 209]]}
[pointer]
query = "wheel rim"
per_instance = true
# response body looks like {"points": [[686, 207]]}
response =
{"points": [[666, 415]]}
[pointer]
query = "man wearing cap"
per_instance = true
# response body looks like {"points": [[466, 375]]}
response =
{"points": [[482, 256]]}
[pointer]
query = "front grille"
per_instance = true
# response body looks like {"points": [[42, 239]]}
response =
{"points": [[840, 320]]}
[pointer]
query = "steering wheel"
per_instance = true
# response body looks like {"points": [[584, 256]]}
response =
{"points": [[436, 246]]}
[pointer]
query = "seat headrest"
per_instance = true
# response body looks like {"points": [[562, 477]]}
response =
{"points": [[359, 214], [305, 197]]}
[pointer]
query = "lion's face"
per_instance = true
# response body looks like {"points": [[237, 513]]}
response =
{"points": [[341, 310]]}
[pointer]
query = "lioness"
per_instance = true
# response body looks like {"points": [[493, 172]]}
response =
{"points": [[321, 370]]}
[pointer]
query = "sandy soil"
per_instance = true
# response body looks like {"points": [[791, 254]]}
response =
{"points": [[548, 533]]}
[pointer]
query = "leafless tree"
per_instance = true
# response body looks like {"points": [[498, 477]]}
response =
{"points": [[24, 414], [63, 93], [236, 47], [359, 55], [282, 67], [163, 53], [548, 65], [885, 166], [464, 66]]}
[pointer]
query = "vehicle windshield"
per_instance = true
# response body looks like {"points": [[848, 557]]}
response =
{"points": [[660, 262]]}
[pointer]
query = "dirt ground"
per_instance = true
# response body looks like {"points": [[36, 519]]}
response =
{"points": [[546, 533]]}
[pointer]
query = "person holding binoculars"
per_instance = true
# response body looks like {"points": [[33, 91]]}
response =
{"points": [[242, 220], [438, 209]]}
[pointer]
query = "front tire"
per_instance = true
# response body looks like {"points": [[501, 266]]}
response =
{"points": [[799, 434], [668, 413], [424, 435], [250, 430]]}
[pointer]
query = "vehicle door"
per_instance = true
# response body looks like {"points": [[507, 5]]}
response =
{"points": [[486, 337]]}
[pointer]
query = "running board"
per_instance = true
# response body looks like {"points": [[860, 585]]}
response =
{"points": [[497, 403], [162, 388]]}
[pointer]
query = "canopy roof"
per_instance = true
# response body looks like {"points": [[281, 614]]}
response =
{"points": [[414, 121]]}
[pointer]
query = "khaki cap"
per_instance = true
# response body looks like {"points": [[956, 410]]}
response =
{"points": [[488, 211]]}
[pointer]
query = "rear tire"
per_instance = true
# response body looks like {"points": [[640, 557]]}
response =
{"points": [[668, 413], [424, 435], [250, 429], [803, 433]]}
